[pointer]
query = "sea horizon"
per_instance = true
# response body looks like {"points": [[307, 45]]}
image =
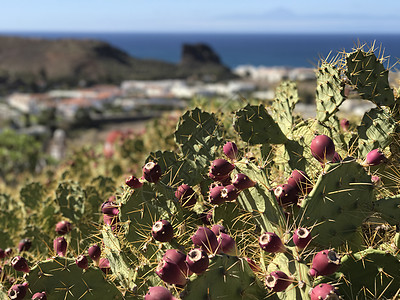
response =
{"points": [[235, 49]]}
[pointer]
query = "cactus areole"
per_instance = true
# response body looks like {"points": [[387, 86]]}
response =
{"points": [[323, 148]]}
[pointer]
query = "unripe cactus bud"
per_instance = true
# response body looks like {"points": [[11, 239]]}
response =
{"points": [[24, 245], [63, 227], [186, 195], [301, 237], [82, 262], [20, 264], [374, 158], [242, 182], [271, 243], [197, 260], [324, 291], [230, 150], [324, 263], [133, 182], [152, 172], [278, 281], [205, 239], [322, 148], [170, 273], [39, 296], [162, 231], [60, 246]]}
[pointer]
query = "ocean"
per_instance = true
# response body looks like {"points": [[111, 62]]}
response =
{"points": [[290, 50]]}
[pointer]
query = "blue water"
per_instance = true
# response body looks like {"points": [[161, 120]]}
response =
{"points": [[292, 50]]}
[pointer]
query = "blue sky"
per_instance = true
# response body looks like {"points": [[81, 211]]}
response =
{"points": [[256, 16]]}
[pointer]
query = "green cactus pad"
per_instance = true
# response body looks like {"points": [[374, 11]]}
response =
{"points": [[70, 197], [330, 91], [370, 77], [199, 136], [289, 156], [32, 194], [256, 126], [369, 274], [61, 278], [227, 277], [339, 202], [389, 209], [286, 97], [375, 131]]}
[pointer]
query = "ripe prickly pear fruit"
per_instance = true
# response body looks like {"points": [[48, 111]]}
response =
{"points": [[159, 293], [220, 169], [322, 148], [104, 265], [206, 217], [300, 180], [2, 254], [215, 195], [162, 231], [110, 208], [197, 260], [324, 263], [206, 239], [20, 264], [82, 262], [94, 253], [227, 244], [179, 258], [230, 150], [242, 182], [229, 192], [39, 296], [344, 124], [277, 281], [324, 291], [271, 243], [374, 158], [253, 265], [286, 194], [152, 172], [24, 245], [18, 291], [301, 237], [170, 273], [63, 227], [218, 228], [186, 195], [133, 182], [60, 246]]}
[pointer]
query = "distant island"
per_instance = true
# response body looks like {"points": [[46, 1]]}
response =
{"points": [[32, 64]]}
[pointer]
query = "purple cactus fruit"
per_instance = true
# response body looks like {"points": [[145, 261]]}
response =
{"points": [[271, 243], [18, 291], [218, 228], [197, 260], [104, 265], [215, 195], [60, 246], [374, 158], [324, 263], [286, 194], [376, 180], [94, 252], [159, 293], [230, 150], [278, 281], [301, 180], [2, 254], [152, 172], [39, 296], [20, 264], [322, 148], [170, 273], [110, 220], [206, 217], [242, 182], [229, 193], [24, 245], [82, 262], [220, 169], [133, 182], [186, 195], [206, 239], [253, 265], [344, 124], [301, 237], [324, 291], [109, 208], [63, 227], [162, 231], [179, 258], [336, 158], [8, 252], [227, 244]]}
